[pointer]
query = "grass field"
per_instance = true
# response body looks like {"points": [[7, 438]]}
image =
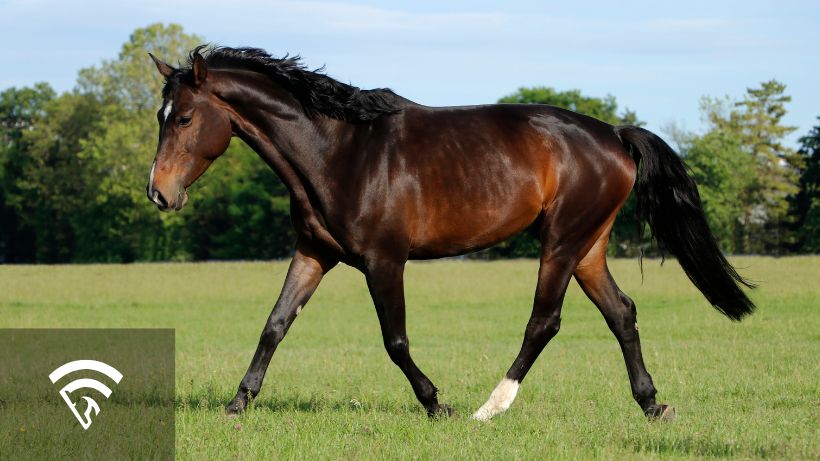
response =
{"points": [[748, 390]]}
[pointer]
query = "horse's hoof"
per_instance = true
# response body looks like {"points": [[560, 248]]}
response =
{"points": [[662, 412], [441, 411], [668, 413], [234, 408]]}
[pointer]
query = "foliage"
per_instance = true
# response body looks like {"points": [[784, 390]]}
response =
{"points": [[19, 111], [806, 204], [755, 130], [131, 80], [130, 90], [241, 211], [722, 174], [55, 177]]}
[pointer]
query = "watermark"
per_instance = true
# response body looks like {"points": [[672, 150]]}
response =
{"points": [[85, 383], [86, 394]]}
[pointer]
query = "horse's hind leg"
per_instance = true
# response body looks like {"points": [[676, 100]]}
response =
{"points": [[620, 314], [553, 277]]}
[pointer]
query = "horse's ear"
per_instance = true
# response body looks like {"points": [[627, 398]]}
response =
{"points": [[163, 68], [200, 69]]}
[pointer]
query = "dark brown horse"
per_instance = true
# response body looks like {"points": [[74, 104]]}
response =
{"points": [[376, 180]]}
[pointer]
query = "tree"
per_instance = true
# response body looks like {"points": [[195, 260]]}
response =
{"points": [[806, 203], [132, 80], [240, 210], [54, 182], [130, 89], [19, 111], [756, 122], [723, 174], [627, 231]]}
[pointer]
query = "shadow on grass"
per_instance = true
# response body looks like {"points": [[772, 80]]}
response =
{"points": [[296, 404], [145, 399]]}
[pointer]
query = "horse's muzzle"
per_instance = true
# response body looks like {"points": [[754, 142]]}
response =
{"points": [[163, 203]]}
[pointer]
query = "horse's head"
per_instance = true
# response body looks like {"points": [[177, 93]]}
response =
{"points": [[194, 129]]}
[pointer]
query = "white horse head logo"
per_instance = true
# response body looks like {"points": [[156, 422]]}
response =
{"points": [[104, 368]]}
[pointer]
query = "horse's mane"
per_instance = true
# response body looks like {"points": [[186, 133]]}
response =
{"points": [[318, 93]]}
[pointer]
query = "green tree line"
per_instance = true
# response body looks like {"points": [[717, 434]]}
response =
{"points": [[73, 170]]}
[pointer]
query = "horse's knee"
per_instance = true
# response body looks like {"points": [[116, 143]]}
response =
{"points": [[542, 329], [621, 317], [397, 347], [628, 303], [552, 325], [273, 333]]}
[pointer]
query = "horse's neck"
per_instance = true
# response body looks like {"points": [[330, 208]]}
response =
{"points": [[297, 148]]}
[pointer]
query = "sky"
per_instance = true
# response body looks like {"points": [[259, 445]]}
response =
{"points": [[656, 58]]}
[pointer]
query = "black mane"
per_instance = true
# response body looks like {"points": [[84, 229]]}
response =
{"points": [[318, 93]]}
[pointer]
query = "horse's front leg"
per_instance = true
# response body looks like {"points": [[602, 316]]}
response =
{"points": [[385, 279], [304, 274]]}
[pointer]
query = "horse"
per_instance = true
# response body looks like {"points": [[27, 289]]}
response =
{"points": [[376, 180]]}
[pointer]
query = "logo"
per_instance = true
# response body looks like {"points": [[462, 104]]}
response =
{"points": [[91, 404]]}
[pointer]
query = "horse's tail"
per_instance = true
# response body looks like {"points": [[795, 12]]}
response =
{"points": [[668, 199]]}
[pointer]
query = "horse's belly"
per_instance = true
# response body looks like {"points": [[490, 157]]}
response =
{"points": [[463, 226]]}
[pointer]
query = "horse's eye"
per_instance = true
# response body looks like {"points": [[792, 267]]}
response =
{"points": [[184, 120]]}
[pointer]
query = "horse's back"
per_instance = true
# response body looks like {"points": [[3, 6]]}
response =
{"points": [[537, 134]]}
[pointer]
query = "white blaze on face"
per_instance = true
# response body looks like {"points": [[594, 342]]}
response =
{"points": [[152, 194], [500, 400], [151, 176], [165, 113]]}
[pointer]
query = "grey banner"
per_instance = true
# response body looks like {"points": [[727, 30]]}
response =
{"points": [[86, 394]]}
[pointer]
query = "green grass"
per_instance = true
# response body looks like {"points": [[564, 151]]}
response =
{"points": [[748, 390]]}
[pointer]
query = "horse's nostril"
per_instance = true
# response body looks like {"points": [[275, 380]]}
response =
{"points": [[159, 199]]}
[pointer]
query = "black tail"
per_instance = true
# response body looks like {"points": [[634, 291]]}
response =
{"points": [[668, 199]]}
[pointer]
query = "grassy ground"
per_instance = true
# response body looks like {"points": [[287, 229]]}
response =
{"points": [[749, 390]]}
